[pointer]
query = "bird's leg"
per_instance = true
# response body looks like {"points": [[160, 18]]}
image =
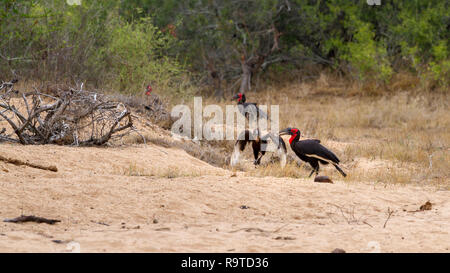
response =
{"points": [[258, 160], [315, 168]]}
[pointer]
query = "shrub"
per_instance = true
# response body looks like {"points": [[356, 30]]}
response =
{"points": [[136, 55]]}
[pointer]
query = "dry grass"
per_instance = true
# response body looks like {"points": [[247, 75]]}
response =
{"points": [[208, 152], [292, 169], [400, 137]]}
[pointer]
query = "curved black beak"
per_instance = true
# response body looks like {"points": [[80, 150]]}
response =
{"points": [[286, 131]]}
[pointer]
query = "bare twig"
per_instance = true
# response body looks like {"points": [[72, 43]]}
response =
{"points": [[365, 222], [390, 212]]}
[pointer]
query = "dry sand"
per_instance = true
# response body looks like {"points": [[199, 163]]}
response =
{"points": [[147, 198]]}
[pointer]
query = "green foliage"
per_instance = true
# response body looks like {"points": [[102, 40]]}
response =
{"points": [[366, 57], [136, 56], [54, 41], [440, 66], [127, 44]]}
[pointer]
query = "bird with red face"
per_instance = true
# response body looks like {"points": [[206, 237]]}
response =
{"points": [[245, 108], [148, 90], [311, 151], [154, 103]]}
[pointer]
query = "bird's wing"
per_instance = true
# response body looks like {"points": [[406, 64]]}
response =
{"points": [[262, 114], [312, 148], [277, 140], [254, 109]]}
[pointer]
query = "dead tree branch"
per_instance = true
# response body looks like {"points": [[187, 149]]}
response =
{"points": [[31, 218], [69, 117], [19, 163]]}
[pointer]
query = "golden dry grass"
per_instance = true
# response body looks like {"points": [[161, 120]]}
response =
{"points": [[399, 137]]}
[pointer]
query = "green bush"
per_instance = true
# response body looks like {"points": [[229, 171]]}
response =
{"points": [[52, 41], [136, 55], [368, 60], [440, 66]]}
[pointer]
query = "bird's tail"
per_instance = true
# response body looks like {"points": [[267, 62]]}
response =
{"points": [[279, 144], [340, 170]]}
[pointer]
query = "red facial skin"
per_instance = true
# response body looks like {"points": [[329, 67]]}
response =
{"points": [[149, 90], [240, 97], [294, 135]]}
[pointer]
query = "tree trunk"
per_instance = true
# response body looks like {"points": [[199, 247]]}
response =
{"points": [[218, 93], [249, 68], [245, 78], [217, 80]]}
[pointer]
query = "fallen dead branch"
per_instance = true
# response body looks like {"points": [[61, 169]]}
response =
{"points": [[32, 165], [66, 117], [31, 218]]}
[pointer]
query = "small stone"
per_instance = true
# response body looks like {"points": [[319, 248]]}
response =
{"points": [[426, 206], [322, 179], [338, 250]]}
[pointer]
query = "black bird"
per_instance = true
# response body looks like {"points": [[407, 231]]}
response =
{"points": [[311, 151], [248, 107], [259, 146]]}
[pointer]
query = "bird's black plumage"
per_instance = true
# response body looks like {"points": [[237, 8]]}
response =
{"points": [[257, 142], [311, 151], [312, 148], [245, 108]]}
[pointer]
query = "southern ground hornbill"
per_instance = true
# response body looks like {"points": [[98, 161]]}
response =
{"points": [[248, 107], [259, 146], [311, 151]]}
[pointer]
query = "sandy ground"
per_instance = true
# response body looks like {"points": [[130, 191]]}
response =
{"points": [[147, 198]]}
